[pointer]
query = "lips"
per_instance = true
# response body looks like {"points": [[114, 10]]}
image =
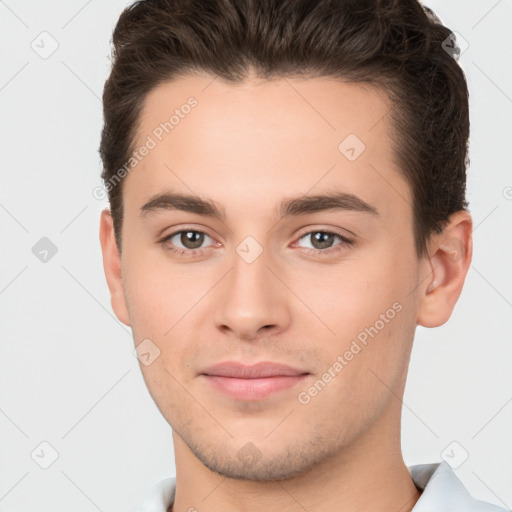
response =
{"points": [[252, 382], [255, 371]]}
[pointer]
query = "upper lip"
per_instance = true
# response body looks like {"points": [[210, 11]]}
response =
{"points": [[254, 371]]}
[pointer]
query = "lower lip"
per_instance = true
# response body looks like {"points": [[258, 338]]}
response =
{"points": [[253, 389]]}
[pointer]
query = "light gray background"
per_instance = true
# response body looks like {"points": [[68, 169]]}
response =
{"points": [[67, 372]]}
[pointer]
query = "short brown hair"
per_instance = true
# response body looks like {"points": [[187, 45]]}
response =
{"points": [[397, 45]]}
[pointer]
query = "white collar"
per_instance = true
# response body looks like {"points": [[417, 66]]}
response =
{"points": [[444, 492]]}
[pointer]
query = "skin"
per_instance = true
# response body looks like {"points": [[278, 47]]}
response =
{"points": [[247, 147]]}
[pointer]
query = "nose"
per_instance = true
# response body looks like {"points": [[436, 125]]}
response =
{"points": [[251, 300]]}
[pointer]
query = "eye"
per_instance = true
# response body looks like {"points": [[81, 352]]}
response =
{"points": [[322, 241], [191, 241]]}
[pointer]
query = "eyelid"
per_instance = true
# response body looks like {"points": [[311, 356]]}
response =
{"points": [[344, 233], [186, 228]]}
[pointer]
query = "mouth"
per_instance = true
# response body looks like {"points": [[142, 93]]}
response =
{"points": [[252, 382]]}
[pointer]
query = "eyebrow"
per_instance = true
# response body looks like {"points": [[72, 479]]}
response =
{"points": [[335, 201]]}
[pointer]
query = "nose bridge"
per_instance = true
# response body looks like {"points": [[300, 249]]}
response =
{"points": [[250, 296], [250, 275]]}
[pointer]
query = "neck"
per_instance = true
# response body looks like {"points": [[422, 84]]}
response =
{"points": [[370, 474]]}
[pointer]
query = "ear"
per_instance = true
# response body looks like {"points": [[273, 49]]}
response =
{"points": [[451, 252], [112, 267]]}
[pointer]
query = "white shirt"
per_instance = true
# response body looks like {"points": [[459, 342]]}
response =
{"points": [[442, 492]]}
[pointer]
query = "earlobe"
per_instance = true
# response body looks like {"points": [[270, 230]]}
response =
{"points": [[112, 267], [451, 252]]}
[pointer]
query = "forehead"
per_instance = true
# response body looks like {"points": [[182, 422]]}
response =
{"points": [[260, 139]]}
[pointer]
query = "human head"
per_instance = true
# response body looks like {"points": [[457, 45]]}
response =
{"points": [[266, 126]]}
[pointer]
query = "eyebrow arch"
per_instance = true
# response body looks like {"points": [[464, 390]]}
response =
{"points": [[340, 201], [323, 202]]}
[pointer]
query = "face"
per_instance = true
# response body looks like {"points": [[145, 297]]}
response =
{"points": [[325, 286]]}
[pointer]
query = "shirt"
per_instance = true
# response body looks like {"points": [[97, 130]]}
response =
{"points": [[442, 491]]}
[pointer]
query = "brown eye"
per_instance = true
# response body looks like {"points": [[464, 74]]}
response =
{"points": [[321, 239], [323, 242], [191, 239], [186, 241]]}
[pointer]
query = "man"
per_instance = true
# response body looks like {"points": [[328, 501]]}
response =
{"points": [[287, 190]]}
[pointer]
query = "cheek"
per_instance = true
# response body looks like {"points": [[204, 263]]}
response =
{"points": [[350, 296], [366, 305], [164, 302], [159, 294]]}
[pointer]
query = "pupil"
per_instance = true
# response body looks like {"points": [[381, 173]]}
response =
{"points": [[322, 240], [192, 239]]}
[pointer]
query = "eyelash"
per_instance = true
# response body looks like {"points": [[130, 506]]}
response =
{"points": [[316, 252]]}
